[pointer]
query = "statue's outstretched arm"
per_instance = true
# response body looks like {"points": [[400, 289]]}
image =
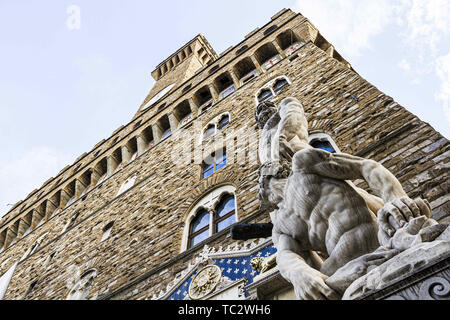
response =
{"points": [[347, 167]]}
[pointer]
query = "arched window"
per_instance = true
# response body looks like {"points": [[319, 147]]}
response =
{"points": [[215, 212], [220, 122], [204, 99], [209, 132], [214, 162], [223, 122], [224, 213], [272, 88], [279, 85], [265, 95], [199, 228]]}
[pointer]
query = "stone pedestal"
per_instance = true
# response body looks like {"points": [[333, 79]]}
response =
{"points": [[431, 282]]}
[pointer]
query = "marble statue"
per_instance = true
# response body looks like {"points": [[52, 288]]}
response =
{"points": [[315, 208]]}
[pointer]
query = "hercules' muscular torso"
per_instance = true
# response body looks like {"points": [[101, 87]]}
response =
{"points": [[319, 216]]}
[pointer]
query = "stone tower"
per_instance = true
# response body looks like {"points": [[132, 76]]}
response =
{"points": [[146, 210]]}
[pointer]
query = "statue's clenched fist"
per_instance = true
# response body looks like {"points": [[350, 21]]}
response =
{"points": [[397, 213]]}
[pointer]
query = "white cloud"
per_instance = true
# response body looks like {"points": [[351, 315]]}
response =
{"points": [[403, 64], [427, 23], [351, 24], [443, 72], [20, 174]]}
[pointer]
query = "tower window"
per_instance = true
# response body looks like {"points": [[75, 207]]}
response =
{"points": [[280, 85], [70, 191], [101, 169], [289, 42], [265, 94], [272, 88], [116, 159], [218, 123], [241, 50], [164, 124], [213, 163], [267, 56], [224, 85], [203, 99], [183, 113], [270, 30], [214, 213], [199, 228], [147, 135], [223, 122], [209, 132], [245, 70], [214, 69], [225, 213], [132, 147]]}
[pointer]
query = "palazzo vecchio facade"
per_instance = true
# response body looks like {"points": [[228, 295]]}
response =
{"points": [[147, 213]]}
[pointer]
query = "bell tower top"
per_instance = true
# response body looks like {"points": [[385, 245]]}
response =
{"points": [[179, 67]]}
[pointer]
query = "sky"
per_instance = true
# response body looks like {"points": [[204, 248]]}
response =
{"points": [[71, 72]]}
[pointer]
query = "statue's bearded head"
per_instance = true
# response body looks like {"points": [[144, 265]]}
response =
{"points": [[264, 111]]}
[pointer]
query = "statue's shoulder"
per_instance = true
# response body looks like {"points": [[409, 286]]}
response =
{"points": [[305, 158], [309, 153]]}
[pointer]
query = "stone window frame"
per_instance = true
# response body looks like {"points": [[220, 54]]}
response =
{"points": [[215, 122], [269, 86], [208, 202]]}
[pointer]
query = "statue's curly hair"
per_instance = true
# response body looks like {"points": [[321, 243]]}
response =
{"points": [[264, 105]]}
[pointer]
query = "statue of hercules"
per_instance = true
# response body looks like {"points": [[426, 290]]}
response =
{"points": [[316, 208]]}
